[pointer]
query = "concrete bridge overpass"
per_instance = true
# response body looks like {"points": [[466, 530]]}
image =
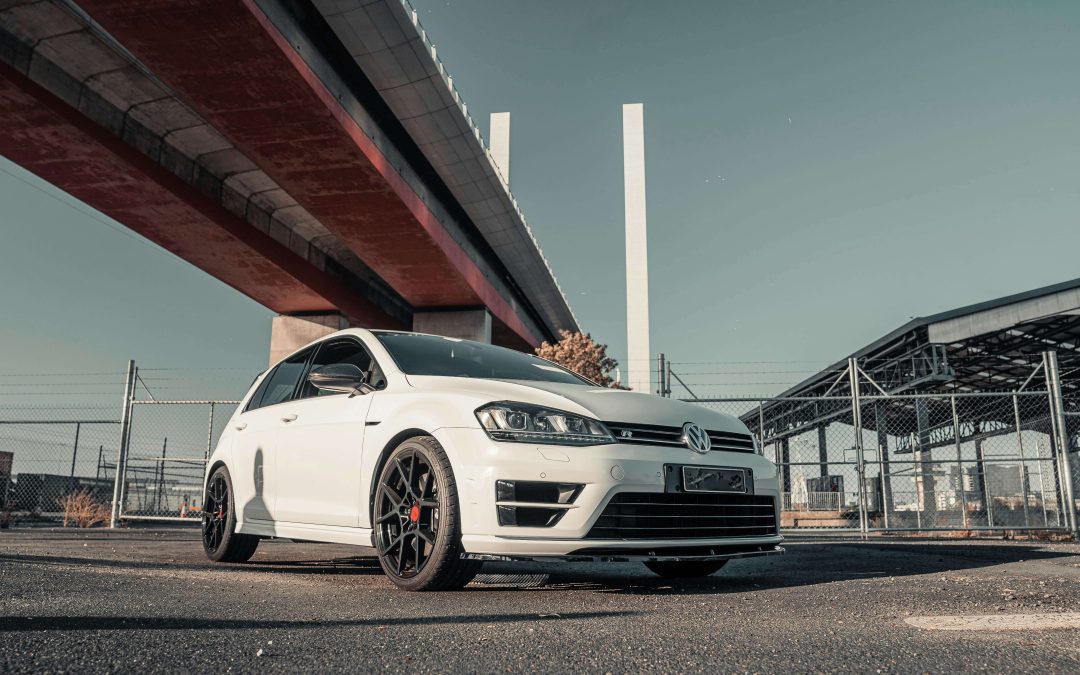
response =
{"points": [[314, 155]]}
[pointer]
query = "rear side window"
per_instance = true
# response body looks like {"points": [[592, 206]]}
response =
{"points": [[258, 395], [280, 384]]}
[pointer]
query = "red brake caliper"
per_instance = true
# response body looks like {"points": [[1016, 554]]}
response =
{"points": [[414, 513]]}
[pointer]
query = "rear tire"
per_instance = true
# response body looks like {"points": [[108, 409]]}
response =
{"points": [[221, 541], [417, 519], [685, 569]]}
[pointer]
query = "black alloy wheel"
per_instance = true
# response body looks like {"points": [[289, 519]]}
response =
{"points": [[417, 530], [408, 513], [215, 513], [220, 540]]}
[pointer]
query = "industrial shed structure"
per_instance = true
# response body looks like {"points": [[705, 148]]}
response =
{"points": [[965, 419]]}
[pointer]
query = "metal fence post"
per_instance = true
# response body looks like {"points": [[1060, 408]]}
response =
{"points": [[882, 477], [860, 466], [660, 374], [761, 427], [959, 463], [75, 449], [122, 449], [915, 478], [209, 449], [1023, 460], [1061, 439]]}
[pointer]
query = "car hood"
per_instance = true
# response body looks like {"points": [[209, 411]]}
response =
{"points": [[607, 405]]}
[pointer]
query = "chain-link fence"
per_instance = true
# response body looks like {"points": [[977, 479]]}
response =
{"points": [[919, 462], [863, 461], [50, 454], [89, 465]]}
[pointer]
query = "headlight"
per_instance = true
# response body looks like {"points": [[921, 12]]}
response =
{"points": [[526, 423]]}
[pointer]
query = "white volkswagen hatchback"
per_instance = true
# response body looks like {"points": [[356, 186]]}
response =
{"points": [[443, 453]]}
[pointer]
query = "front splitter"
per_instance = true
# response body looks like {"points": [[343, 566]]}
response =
{"points": [[614, 558]]}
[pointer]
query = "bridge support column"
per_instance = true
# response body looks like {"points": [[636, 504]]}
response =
{"points": [[467, 324], [289, 333]]}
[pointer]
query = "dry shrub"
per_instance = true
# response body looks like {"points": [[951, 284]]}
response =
{"points": [[81, 509], [583, 355]]}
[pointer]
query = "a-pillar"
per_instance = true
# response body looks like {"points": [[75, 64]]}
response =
{"points": [[291, 332], [467, 324]]}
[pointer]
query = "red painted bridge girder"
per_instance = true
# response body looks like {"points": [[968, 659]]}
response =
{"points": [[230, 65], [48, 137]]}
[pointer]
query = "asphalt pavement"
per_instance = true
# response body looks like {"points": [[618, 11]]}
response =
{"points": [[148, 601]]}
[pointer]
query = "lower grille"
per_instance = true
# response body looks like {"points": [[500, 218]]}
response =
{"points": [[650, 515]]}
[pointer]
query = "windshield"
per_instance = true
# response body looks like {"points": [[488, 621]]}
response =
{"points": [[449, 357]]}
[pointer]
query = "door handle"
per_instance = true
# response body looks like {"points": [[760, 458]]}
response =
{"points": [[288, 418], [240, 426]]}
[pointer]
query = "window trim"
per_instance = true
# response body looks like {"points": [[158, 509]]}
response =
{"points": [[257, 388], [270, 373]]}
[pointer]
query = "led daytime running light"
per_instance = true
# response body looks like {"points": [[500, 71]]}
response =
{"points": [[527, 423]]}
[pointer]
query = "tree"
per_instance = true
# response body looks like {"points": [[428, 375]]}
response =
{"points": [[583, 355]]}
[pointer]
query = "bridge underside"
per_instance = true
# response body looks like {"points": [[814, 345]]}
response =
{"points": [[251, 149]]}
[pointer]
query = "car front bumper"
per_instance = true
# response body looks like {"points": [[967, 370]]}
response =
{"points": [[603, 471]]}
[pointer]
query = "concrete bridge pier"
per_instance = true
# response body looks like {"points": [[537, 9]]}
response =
{"points": [[467, 324], [291, 332]]}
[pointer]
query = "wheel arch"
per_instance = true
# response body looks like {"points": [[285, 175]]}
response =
{"points": [[396, 440], [211, 469]]}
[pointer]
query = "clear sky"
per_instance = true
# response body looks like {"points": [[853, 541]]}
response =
{"points": [[817, 174]]}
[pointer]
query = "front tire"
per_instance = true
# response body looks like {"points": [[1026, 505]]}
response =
{"points": [[417, 519], [684, 569], [221, 541]]}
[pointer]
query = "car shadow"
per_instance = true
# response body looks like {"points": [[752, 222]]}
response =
{"points": [[354, 565], [126, 623], [350, 565], [804, 564]]}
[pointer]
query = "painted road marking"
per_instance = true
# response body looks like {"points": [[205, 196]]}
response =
{"points": [[997, 622]]}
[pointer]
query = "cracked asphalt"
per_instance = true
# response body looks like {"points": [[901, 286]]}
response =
{"points": [[147, 600]]}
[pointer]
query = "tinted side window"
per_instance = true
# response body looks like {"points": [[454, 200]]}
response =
{"points": [[338, 351], [256, 398], [282, 382]]}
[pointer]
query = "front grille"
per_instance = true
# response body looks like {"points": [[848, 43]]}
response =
{"points": [[651, 434], [661, 515]]}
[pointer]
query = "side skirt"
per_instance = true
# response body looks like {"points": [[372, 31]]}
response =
{"points": [[332, 534]]}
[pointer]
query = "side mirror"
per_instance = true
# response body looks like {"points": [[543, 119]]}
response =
{"points": [[344, 378]]}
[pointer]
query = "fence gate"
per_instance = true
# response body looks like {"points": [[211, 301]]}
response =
{"points": [[163, 456]]}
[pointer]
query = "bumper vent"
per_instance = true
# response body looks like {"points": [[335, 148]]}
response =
{"points": [[650, 434], [551, 502], [649, 515]]}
